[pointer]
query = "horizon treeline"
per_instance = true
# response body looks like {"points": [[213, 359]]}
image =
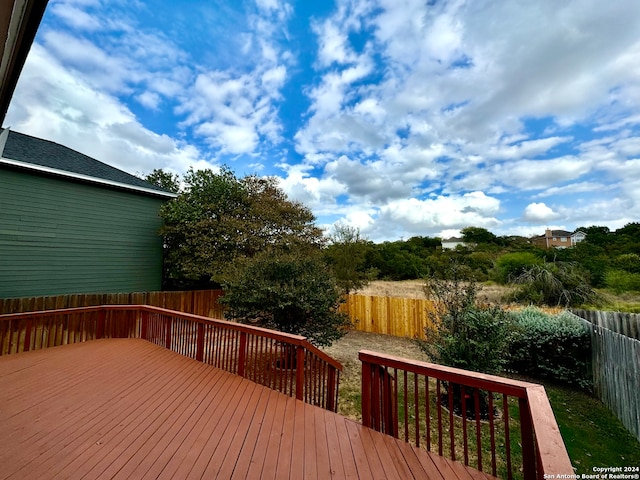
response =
{"points": [[603, 252]]}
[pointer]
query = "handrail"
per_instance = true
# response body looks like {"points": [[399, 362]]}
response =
{"points": [[394, 387], [282, 361], [483, 381]]}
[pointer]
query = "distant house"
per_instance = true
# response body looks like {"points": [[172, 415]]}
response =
{"points": [[72, 224], [559, 239], [452, 243]]}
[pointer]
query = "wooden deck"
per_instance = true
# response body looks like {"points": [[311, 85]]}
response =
{"points": [[125, 408]]}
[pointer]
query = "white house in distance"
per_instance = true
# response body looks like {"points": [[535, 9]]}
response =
{"points": [[452, 243]]}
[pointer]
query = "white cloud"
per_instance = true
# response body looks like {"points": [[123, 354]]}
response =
{"points": [[233, 112], [151, 100], [572, 189], [538, 213], [334, 44], [75, 17], [411, 107], [529, 148], [430, 216], [50, 102], [320, 194]]}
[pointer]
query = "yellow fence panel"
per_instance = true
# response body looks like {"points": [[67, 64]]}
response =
{"points": [[400, 317]]}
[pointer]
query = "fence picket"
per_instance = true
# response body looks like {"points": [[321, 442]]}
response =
{"points": [[615, 350]]}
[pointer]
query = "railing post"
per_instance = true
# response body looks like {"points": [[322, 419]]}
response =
{"points": [[366, 394], [242, 354], [526, 431], [200, 343], [375, 398], [167, 332], [100, 324], [27, 337], [389, 404], [299, 372], [331, 387], [144, 325]]}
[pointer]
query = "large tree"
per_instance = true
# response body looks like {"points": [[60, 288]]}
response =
{"points": [[218, 218], [478, 235]]}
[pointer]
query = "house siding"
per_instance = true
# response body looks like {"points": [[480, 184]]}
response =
{"points": [[59, 237]]}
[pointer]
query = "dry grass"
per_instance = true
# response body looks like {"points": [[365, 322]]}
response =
{"points": [[385, 288], [488, 292]]}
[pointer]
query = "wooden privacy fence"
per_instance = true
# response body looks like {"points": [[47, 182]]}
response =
{"points": [[400, 317], [283, 362], [439, 408], [615, 359], [627, 324], [199, 302]]}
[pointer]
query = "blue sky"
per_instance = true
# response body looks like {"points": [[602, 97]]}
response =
{"points": [[398, 117]]}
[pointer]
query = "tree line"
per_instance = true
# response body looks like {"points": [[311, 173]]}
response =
{"points": [[280, 270]]}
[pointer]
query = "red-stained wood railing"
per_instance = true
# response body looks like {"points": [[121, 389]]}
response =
{"points": [[423, 403], [283, 362]]}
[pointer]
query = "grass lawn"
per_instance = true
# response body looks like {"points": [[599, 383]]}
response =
{"points": [[594, 437]]}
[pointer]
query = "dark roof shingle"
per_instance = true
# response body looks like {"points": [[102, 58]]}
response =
{"points": [[45, 153]]}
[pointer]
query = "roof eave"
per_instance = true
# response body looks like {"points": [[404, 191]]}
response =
{"points": [[85, 178], [19, 21]]}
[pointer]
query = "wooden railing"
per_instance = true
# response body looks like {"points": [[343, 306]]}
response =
{"points": [[283, 362], [500, 426]]}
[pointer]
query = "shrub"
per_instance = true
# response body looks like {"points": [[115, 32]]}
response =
{"points": [[554, 284], [629, 262], [621, 281], [462, 334], [557, 347], [512, 265], [293, 293], [480, 342]]}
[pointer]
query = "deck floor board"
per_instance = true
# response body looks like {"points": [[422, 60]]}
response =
{"points": [[125, 408]]}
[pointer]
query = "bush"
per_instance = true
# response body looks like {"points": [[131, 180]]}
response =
{"points": [[462, 334], [480, 342], [512, 265], [557, 347], [293, 293], [621, 281], [554, 284]]}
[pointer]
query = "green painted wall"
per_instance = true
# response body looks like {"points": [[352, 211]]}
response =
{"points": [[59, 236]]}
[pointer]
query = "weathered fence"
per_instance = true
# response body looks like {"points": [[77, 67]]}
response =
{"points": [[627, 324], [616, 364], [400, 317]]}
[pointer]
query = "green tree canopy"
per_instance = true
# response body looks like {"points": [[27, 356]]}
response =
{"points": [[219, 218], [169, 181], [597, 235], [478, 235]]}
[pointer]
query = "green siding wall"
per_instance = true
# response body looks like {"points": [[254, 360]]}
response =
{"points": [[59, 236]]}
